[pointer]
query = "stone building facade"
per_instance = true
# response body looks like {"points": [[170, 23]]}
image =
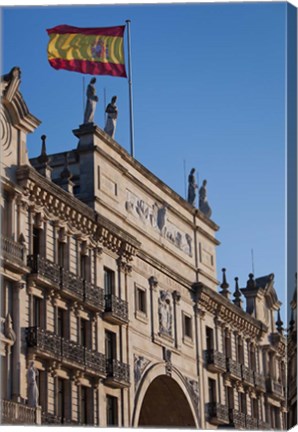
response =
{"points": [[110, 308]]}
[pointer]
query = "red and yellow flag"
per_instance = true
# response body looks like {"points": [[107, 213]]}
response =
{"points": [[93, 51]]}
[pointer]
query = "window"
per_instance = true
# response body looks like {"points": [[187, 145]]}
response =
{"points": [[187, 326], [141, 300], [84, 332], [61, 254], [62, 329], [112, 411], [109, 281], [255, 408], [242, 402], [36, 241], [110, 345], [209, 338], [85, 267], [84, 405], [212, 390], [37, 312], [240, 351], [230, 397], [61, 398], [228, 345]]}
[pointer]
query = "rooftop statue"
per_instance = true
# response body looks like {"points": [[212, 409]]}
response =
{"points": [[92, 99], [203, 203], [112, 114], [192, 186]]}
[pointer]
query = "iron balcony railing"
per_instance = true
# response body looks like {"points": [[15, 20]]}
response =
{"points": [[251, 422], [16, 413], [233, 368], [237, 418], [217, 413], [215, 360], [65, 350], [11, 249], [247, 375], [260, 381], [274, 387], [45, 268], [69, 282], [117, 371], [117, 307]]}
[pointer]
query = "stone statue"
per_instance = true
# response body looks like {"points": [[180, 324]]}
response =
{"points": [[112, 114], [92, 99], [165, 313], [32, 385], [192, 186], [203, 203]]}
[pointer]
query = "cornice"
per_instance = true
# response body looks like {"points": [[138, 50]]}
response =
{"points": [[63, 206], [218, 305]]}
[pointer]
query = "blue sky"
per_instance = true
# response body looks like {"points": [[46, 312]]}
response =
{"points": [[208, 91]]}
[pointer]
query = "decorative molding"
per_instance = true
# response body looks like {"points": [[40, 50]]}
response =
{"points": [[140, 364]]}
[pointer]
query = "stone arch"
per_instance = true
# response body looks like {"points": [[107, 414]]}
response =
{"points": [[159, 392]]}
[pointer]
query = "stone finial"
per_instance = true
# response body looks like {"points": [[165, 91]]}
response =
{"points": [[43, 158], [237, 294], [225, 291], [251, 283], [292, 322], [279, 323]]}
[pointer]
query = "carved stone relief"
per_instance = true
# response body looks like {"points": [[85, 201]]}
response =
{"points": [[140, 364], [165, 313], [156, 216], [193, 389]]}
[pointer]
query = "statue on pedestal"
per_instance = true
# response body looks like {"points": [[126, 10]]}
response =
{"points": [[92, 99], [192, 186], [32, 385], [112, 114], [203, 203]]}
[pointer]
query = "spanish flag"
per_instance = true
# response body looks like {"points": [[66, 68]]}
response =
{"points": [[93, 51]]}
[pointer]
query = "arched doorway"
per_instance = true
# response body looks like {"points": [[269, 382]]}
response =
{"points": [[165, 405]]}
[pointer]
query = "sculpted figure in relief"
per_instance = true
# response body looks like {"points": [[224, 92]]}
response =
{"points": [[165, 313]]}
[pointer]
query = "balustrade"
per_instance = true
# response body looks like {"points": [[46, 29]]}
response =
{"points": [[117, 373], [16, 413], [11, 249], [215, 360], [233, 368], [44, 268], [217, 413], [116, 309]]}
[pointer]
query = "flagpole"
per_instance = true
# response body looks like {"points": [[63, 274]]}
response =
{"points": [[130, 90]]}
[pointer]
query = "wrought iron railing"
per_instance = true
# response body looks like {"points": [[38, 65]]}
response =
{"points": [[247, 375], [233, 368], [94, 295], [12, 249], [16, 413], [117, 370], [251, 422], [237, 418], [260, 381], [65, 349], [72, 284], [274, 387], [215, 359], [45, 268], [217, 412], [117, 306]]}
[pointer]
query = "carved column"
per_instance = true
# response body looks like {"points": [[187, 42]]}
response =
{"points": [[176, 300], [153, 283]]}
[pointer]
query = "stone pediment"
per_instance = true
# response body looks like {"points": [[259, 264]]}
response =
{"points": [[14, 103]]}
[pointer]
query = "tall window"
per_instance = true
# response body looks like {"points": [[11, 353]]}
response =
{"points": [[230, 397], [37, 312], [84, 405], [228, 344], [36, 241], [85, 267], [242, 403], [61, 254], [61, 398], [110, 342], [109, 281], [209, 338], [212, 390], [240, 350], [62, 323], [112, 411], [141, 300], [84, 332], [187, 326]]}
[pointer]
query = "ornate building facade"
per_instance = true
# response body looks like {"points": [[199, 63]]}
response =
{"points": [[110, 308]]}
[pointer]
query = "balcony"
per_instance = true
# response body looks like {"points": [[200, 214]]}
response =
{"points": [[217, 414], [116, 310], [274, 388], [49, 345], [234, 369], [237, 418], [247, 375], [47, 272], [117, 374], [72, 285], [16, 413], [52, 419], [263, 425], [251, 423], [94, 296], [260, 381], [215, 361], [13, 253]]}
